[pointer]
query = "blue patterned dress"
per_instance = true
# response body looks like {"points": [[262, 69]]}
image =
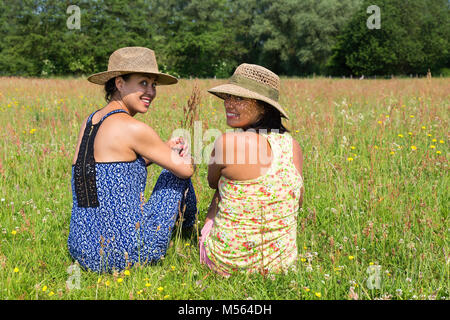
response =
{"points": [[110, 227]]}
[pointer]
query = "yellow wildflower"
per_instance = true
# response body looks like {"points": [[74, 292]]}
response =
{"points": [[13, 232], [413, 148], [349, 159], [411, 116], [318, 294], [166, 296], [51, 293], [16, 270], [441, 141], [126, 272], [160, 289], [400, 135], [44, 288], [392, 152], [351, 257], [434, 140], [147, 284], [410, 133], [433, 147], [423, 127], [120, 280], [438, 152]]}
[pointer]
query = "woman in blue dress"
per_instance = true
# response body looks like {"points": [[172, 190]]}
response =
{"points": [[111, 228]]}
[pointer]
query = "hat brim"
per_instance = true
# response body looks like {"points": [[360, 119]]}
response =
{"points": [[236, 90], [162, 79]]}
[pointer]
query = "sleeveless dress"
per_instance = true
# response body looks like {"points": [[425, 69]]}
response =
{"points": [[111, 228], [256, 224]]}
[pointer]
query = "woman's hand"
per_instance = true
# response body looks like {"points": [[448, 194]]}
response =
{"points": [[178, 144]]}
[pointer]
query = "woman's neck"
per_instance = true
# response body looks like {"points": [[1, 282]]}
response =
{"points": [[117, 103]]}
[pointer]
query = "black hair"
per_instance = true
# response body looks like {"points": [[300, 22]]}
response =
{"points": [[110, 86], [271, 120]]}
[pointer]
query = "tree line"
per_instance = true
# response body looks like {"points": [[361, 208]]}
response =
{"points": [[207, 38]]}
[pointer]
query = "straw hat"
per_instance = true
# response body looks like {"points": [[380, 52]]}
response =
{"points": [[132, 60], [254, 82]]}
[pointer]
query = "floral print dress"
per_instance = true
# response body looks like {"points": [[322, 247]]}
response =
{"points": [[256, 224]]}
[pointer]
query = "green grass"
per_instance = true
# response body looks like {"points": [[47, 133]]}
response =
{"points": [[370, 198]]}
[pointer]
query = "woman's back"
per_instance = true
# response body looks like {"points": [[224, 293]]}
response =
{"points": [[106, 202], [255, 227], [111, 226]]}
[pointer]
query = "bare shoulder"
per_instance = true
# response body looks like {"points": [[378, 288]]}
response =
{"points": [[130, 125], [232, 142]]}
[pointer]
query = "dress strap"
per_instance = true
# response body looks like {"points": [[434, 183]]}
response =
{"points": [[89, 120], [85, 171], [111, 113]]}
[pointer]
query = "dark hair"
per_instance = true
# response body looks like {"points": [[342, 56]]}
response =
{"points": [[110, 86], [271, 120]]}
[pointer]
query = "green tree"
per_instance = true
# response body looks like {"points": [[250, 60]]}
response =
{"points": [[195, 38], [414, 37], [296, 37]]}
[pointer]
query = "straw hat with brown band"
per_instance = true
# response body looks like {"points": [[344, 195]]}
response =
{"points": [[132, 60], [254, 82]]}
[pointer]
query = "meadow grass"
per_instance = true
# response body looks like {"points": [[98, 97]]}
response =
{"points": [[376, 193]]}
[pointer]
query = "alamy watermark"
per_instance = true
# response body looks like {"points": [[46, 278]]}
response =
{"points": [[73, 282], [74, 20], [212, 137], [374, 20], [374, 279]]}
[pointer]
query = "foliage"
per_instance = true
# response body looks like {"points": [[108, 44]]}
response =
{"points": [[414, 37], [207, 38]]}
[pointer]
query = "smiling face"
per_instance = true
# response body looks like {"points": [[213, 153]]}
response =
{"points": [[242, 112], [137, 92]]}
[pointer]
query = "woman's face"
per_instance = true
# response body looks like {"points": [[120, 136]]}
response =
{"points": [[137, 92], [242, 112]]}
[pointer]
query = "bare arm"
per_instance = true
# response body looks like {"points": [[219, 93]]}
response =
{"points": [[216, 163], [146, 142], [176, 144], [213, 207], [298, 162], [80, 136]]}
